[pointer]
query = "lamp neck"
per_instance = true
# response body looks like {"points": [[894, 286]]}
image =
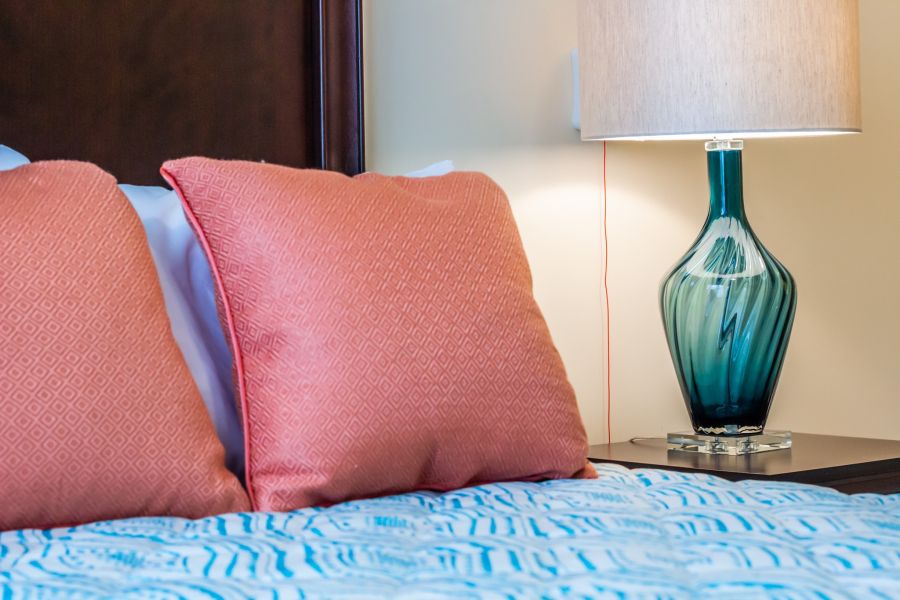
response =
{"points": [[726, 195]]}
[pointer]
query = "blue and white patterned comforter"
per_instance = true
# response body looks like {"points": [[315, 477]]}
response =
{"points": [[642, 533]]}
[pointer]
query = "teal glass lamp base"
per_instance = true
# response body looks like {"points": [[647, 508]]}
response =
{"points": [[728, 309], [732, 445]]}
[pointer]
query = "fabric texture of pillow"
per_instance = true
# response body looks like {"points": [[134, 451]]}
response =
{"points": [[384, 333], [190, 301], [99, 417], [188, 290]]}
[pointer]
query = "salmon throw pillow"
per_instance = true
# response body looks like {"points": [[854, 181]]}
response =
{"points": [[99, 416], [385, 334]]}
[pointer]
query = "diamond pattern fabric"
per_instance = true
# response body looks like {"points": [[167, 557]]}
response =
{"points": [[385, 334], [99, 417]]}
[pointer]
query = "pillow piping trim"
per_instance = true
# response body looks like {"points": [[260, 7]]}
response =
{"points": [[229, 322]]}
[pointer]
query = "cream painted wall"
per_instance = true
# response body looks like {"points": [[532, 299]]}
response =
{"points": [[487, 84]]}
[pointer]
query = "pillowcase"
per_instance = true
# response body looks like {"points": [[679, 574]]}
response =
{"points": [[188, 291], [190, 303], [99, 417], [384, 332], [190, 300], [10, 159]]}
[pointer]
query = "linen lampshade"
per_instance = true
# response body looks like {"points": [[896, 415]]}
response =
{"points": [[695, 69]]}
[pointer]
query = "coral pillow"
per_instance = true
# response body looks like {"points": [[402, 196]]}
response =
{"points": [[384, 331], [99, 416]]}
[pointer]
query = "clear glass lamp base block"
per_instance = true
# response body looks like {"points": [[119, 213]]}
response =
{"points": [[735, 445]]}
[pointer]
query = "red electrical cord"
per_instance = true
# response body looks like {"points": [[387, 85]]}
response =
{"points": [[606, 307]]}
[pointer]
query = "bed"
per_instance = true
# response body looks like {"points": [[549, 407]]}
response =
{"points": [[640, 533], [127, 84]]}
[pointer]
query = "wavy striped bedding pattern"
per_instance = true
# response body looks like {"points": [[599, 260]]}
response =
{"points": [[641, 533]]}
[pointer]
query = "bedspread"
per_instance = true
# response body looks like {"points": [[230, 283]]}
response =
{"points": [[640, 533]]}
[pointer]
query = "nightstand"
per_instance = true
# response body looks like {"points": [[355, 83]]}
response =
{"points": [[848, 464]]}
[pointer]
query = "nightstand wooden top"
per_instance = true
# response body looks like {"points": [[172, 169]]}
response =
{"points": [[836, 461]]}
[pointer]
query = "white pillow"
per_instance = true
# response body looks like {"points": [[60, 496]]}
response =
{"points": [[187, 286], [438, 168], [10, 159]]}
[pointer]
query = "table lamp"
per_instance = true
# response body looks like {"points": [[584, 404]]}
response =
{"points": [[722, 71]]}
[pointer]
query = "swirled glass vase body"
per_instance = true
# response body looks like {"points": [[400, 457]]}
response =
{"points": [[728, 308]]}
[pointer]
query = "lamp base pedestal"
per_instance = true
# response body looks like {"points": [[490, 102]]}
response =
{"points": [[734, 445]]}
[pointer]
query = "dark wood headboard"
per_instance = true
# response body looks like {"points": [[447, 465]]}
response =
{"points": [[128, 84]]}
